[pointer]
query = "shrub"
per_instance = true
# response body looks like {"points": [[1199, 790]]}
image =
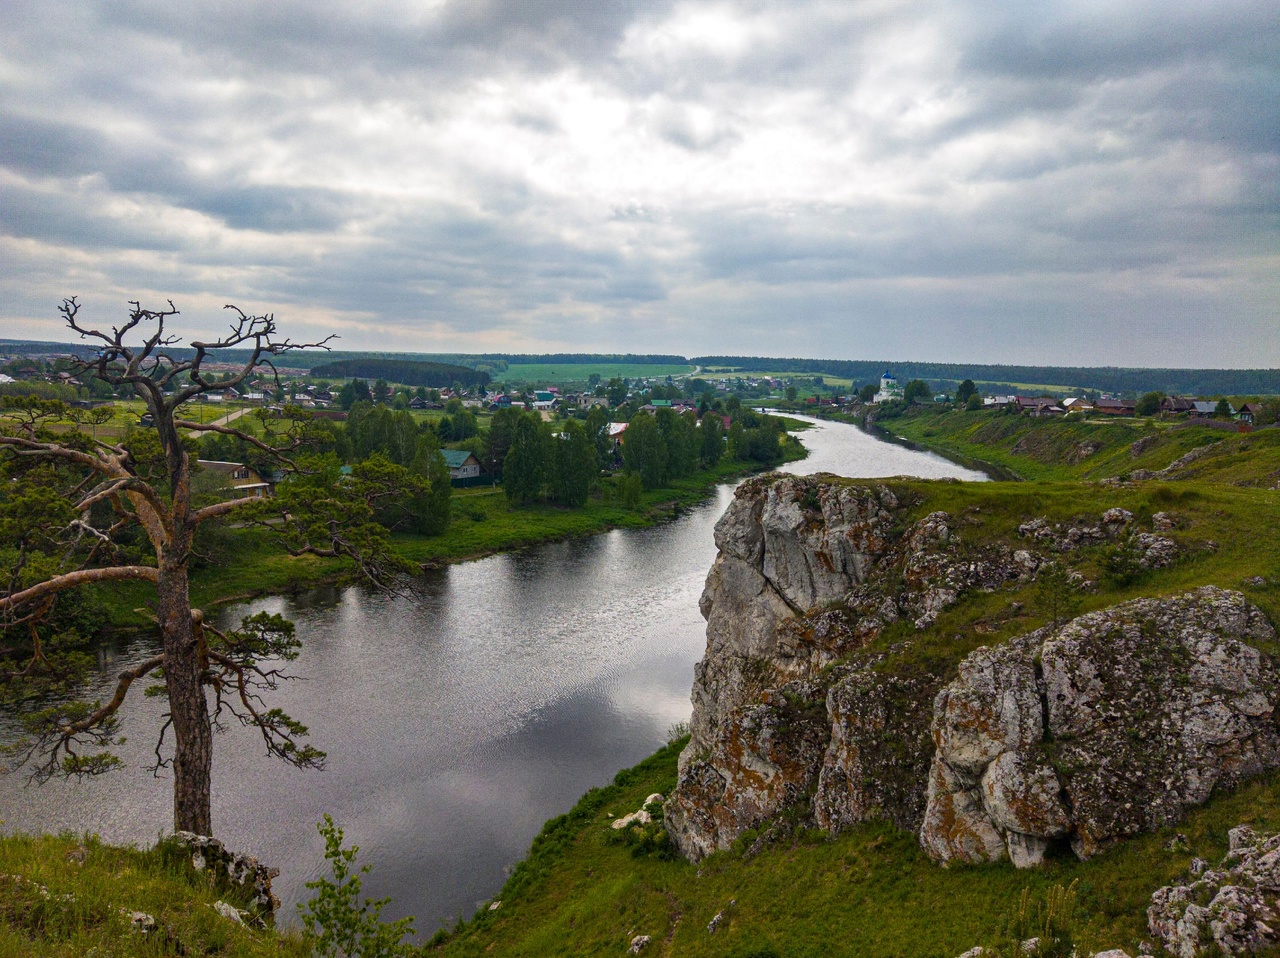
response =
{"points": [[342, 925]]}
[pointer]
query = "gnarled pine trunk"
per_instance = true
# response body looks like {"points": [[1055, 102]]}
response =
{"points": [[183, 667]]}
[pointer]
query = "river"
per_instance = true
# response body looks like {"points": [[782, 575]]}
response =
{"points": [[456, 720]]}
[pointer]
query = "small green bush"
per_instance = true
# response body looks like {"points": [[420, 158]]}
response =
{"points": [[342, 925]]}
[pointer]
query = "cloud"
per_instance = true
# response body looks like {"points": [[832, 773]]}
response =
{"points": [[901, 179]]}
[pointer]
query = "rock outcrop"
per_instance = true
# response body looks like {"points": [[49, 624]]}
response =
{"points": [[809, 571], [1110, 724], [1114, 724], [243, 871]]}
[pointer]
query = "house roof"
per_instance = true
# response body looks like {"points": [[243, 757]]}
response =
{"points": [[456, 458]]}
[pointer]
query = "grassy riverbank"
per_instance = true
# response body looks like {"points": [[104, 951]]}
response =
{"points": [[869, 892], [244, 563], [1056, 449]]}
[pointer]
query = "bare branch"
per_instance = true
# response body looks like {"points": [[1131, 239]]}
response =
{"points": [[251, 440], [221, 509], [71, 580]]}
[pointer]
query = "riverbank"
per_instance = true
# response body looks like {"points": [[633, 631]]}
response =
{"points": [[241, 564], [1009, 446]]}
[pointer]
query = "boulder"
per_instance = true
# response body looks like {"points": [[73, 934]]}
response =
{"points": [[1113, 724]]}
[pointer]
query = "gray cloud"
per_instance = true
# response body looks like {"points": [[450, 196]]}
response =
{"points": [[913, 180]]}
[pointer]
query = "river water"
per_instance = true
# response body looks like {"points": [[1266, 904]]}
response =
{"points": [[456, 720]]}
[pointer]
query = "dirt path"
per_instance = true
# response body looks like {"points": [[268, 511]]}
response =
{"points": [[222, 421]]}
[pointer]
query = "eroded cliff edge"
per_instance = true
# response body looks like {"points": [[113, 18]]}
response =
{"points": [[828, 696]]}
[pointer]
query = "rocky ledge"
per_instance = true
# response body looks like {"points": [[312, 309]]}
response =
{"points": [[1106, 725]]}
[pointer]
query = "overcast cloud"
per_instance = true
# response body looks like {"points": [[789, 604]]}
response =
{"points": [[1078, 182]]}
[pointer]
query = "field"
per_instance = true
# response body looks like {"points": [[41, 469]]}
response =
{"points": [[554, 373], [719, 372]]}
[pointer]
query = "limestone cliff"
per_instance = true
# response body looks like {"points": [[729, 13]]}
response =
{"points": [[1106, 725]]}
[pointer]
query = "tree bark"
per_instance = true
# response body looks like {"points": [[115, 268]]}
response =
{"points": [[188, 708]]}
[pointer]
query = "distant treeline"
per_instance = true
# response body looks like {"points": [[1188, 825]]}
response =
{"points": [[1115, 379], [575, 359], [408, 372], [942, 376]]}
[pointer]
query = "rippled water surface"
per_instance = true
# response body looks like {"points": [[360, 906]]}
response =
{"points": [[459, 719]]}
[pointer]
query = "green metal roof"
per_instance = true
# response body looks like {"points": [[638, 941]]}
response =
{"points": [[455, 458]]}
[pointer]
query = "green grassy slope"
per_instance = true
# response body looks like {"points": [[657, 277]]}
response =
{"points": [[60, 896], [1094, 449], [871, 892]]}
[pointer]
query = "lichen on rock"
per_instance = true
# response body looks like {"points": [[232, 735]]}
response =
{"points": [[1080, 733], [1131, 716]]}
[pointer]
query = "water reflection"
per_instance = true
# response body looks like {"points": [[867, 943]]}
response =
{"points": [[457, 720]]}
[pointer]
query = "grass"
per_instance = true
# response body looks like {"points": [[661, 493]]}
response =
{"points": [[63, 896], [558, 373], [869, 892], [1058, 449]]}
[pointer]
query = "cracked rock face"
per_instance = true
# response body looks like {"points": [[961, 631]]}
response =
{"points": [[1085, 733], [788, 547], [1114, 724]]}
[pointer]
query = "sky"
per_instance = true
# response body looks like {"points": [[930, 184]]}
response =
{"points": [[1085, 183]]}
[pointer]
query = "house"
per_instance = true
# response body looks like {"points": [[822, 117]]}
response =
{"points": [[1206, 408], [1115, 407], [1250, 412], [1048, 411], [889, 388], [998, 402], [1032, 404], [1177, 405], [243, 480], [1077, 405], [464, 467], [613, 434]]}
